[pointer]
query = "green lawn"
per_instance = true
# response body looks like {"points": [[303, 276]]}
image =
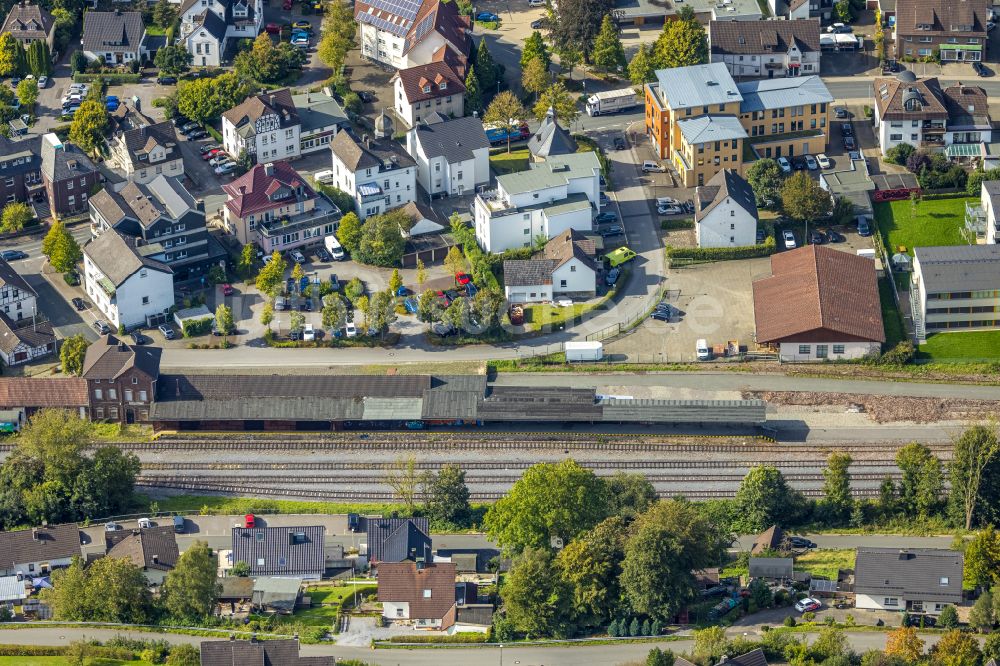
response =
{"points": [[962, 346], [504, 162], [825, 563], [543, 314], [892, 322], [332, 598], [925, 223], [336, 595], [61, 661]]}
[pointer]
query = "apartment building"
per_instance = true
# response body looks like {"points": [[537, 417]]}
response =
{"points": [[955, 288], [378, 173], [128, 288], [702, 121], [406, 33], [766, 49], [956, 29]]}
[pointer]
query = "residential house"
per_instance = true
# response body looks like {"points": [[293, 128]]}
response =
{"points": [[543, 201], [915, 580], [773, 538], [152, 549], [377, 173], [23, 336], [726, 213], [419, 593], [633, 12], [551, 140], [208, 27], [130, 289], [114, 38], [121, 379], [284, 652], [955, 288], [166, 221], [819, 304], [69, 176], [30, 394], [21, 169], [425, 89], [853, 182], [408, 33], [989, 202], [452, 157], [321, 117], [142, 149], [274, 207], [29, 23], [565, 267], [398, 540], [752, 658], [772, 568], [18, 299], [766, 49], [281, 551], [36, 552], [954, 30], [266, 126], [703, 121]]}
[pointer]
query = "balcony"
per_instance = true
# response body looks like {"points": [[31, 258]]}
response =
{"points": [[975, 221], [495, 203], [323, 212], [370, 192]]}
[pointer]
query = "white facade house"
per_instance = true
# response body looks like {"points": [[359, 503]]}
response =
{"points": [[452, 157], [727, 212], [914, 580], [425, 90], [545, 200], [766, 49], [208, 26], [266, 126], [144, 150], [955, 288], [320, 118], [206, 39], [130, 289], [114, 38], [23, 337], [36, 552], [377, 173], [565, 267], [408, 33], [989, 198]]}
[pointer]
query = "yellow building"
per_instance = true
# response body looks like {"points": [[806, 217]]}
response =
{"points": [[702, 121]]}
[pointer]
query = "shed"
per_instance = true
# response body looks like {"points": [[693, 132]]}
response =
{"points": [[771, 567], [12, 589], [275, 593], [191, 315], [236, 588]]}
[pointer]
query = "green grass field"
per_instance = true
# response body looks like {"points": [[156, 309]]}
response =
{"points": [[962, 346], [504, 162], [62, 661], [825, 563], [891, 320], [926, 223]]}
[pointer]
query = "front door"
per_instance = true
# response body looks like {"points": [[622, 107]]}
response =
{"points": [[129, 415]]}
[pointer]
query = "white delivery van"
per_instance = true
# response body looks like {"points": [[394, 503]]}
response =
{"points": [[702, 351], [325, 177], [334, 248], [584, 351]]}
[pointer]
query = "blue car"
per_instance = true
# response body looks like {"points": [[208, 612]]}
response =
{"points": [[487, 16], [111, 103], [471, 290], [411, 305], [402, 291], [303, 283]]}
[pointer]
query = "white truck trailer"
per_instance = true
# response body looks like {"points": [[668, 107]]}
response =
{"points": [[584, 351], [611, 101]]}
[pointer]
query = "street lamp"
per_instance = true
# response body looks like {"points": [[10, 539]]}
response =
{"points": [[501, 654]]}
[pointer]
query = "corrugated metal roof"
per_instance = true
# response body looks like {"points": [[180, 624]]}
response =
{"points": [[392, 409], [11, 588], [306, 408], [450, 405], [783, 93]]}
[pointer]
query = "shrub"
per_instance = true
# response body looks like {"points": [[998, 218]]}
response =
{"points": [[108, 79], [672, 225], [808, 617], [765, 249], [189, 329], [72, 278], [789, 621], [899, 153]]}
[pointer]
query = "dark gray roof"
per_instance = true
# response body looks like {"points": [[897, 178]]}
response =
{"points": [[551, 138], [211, 22], [727, 183], [258, 653], [753, 658], [162, 197], [453, 139], [518, 403], [927, 574], [318, 110], [959, 267], [28, 22], [770, 567], [383, 154], [24, 331], [39, 544], [528, 272], [149, 548], [21, 155], [141, 140], [398, 539], [112, 31], [285, 551], [63, 160], [11, 278], [116, 256]]}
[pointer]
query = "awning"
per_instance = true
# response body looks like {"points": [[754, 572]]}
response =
{"points": [[964, 150], [794, 65]]}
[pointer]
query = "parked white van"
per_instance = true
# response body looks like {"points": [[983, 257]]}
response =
{"points": [[702, 351]]}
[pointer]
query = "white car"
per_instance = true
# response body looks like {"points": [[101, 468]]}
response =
{"points": [[807, 604], [649, 166], [811, 163], [351, 330], [298, 257], [308, 333], [536, 3], [824, 161], [785, 165], [219, 159], [42, 82], [669, 210], [225, 168], [667, 201], [789, 238]]}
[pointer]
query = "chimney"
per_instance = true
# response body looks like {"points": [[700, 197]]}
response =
{"points": [[253, 637], [34, 534], [367, 141], [232, 637]]}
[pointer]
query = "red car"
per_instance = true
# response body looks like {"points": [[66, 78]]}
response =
{"points": [[443, 297], [250, 521], [227, 290], [210, 154], [462, 278], [273, 28]]}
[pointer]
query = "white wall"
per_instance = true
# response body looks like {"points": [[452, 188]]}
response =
{"points": [[24, 566], [578, 277], [727, 225], [537, 293], [148, 292], [794, 351], [390, 610], [281, 144], [991, 216], [877, 602], [17, 303], [146, 173], [903, 133], [382, 46], [206, 50], [399, 187]]}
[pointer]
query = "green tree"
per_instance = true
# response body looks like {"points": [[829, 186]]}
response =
{"points": [[245, 264], [473, 95], [296, 321], [244, 162], [535, 47], [536, 599], [448, 496], [349, 232], [71, 354], [921, 484], [535, 78], [948, 619], [658, 657], [629, 494], [224, 320], [395, 281], [66, 252], [173, 59], [334, 312], [381, 312], [991, 647], [763, 499], [764, 177], [191, 587], [550, 500], [183, 654], [570, 57], [956, 648], [982, 559], [108, 590], [608, 51], [506, 112], [981, 616], [68, 600], [204, 100], [110, 481], [404, 479], [89, 125], [58, 438], [382, 241], [164, 14], [557, 97], [642, 68], [297, 274], [591, 565], [830, 643], [837, 486], [486, 69], [267, 315], [974, 451], [669, 542], [272, 275], [802, 199], [454, 261], [27, 93], [10, 54], [421, 273], [427, 306], [682, 43], [578, 22], [905, 644], [843, 11], [15, 216], [900, 153], [711, 643]]}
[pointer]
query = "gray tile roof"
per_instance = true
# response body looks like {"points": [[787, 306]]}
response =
{"points": [[211, 22], [116, 256], [149, 548], [711, 128], [397, 539], [28, 22], [258, 653], [277, 102], [781, 93], [453, 139], [764, 37], [752, 658], [770, 567], [39, 544], [113, 31], [11, 278], [162, 197], [141, 141], [725, 184], [927, 574], [528, 272], [21, 155], [63, 160], [511, 403], [698, 85], [318, 110], [33, 335], [285, 551], [384, 154], [551, 138], [959, 267]]}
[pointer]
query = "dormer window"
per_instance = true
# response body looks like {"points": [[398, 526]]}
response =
{"points": [[443, 86], [426, 88]]}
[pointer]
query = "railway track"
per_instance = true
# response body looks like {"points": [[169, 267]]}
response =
{"points": [[472, 466]]}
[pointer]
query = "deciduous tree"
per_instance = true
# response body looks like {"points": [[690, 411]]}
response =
{"points": [[192, 587], [61, 248], [921, 484], [89, 125], [578, 23], [15, 216], [10, 54], [27, 92], [642, 67], [454, 261], [558, 98], [535, 78], [629, 494], [535, 47], [802, 199], [164, 14], [334, 312], [349, 232], [404, 479], [608, 52], [272, 275], [72, 353], [981, 615], [974, 451], [173, 59], [224, 321], [382, 242], [506, 112], [837, 486], [267, 315], [448, 496], [904, 643], [682, 43], [591, 566], [183, 654], [764, 499], [204, 100], [982, 559], [956, 648], [536, 599]]}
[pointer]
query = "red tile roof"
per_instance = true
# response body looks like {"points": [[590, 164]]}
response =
{"points": [[431, 75], [403, 581], [251, 192], [818, 294], [43, 392]]}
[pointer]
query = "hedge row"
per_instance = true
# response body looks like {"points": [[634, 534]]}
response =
{"points": [[120, 654], [673, 225], [461, 637], [765, 249], [109, 79]]}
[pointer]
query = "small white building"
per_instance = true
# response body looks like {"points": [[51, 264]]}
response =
{"points": [[452, 156], [726, 214], [545, 200], [407, 33], [266, 126], [377, 173], [205, 39], [114, 38], [766, 49], [208, 27], [915, 580], [434, 88], [129, 288], [23, 337], [564, 268]]}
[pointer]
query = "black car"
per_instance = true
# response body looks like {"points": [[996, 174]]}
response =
{"points": [[538, 24], [980, 69], [688, 206], [660, 315], [834, 237], [606, 232], [138, 338], [605, 218], [604, 199], [366, 96], [847, 129], [800, 542], [849, 143], [179, 121], [307, 305], [79, 304], [840, 112], [761, 236], [166, 80], [619, 143], [334, 282], [197, 134], [817, 237], [612, 277], [290, 285], [13, 255], [323, 254], [799, 163]]}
